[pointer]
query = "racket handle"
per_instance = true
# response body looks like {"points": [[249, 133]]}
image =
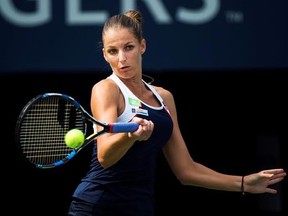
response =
{"points": [[120, 127]]}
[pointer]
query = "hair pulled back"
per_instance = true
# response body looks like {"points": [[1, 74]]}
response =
{"points": [[131, 20]]}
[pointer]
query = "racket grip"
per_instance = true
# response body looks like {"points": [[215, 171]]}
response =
{"points": [[120, 127]]}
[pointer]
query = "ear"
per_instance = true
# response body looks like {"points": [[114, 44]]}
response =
{"points": [[104, 55], [143, 46]]}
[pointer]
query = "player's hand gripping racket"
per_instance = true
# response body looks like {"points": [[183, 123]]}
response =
{"points": [[44, 122]]}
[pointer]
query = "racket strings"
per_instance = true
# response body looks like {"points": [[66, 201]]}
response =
{"points": [[44, 127]]}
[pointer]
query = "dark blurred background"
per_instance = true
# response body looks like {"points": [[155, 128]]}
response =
{"points": [[225, 62]]}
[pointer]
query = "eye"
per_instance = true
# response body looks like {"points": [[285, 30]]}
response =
{"points": [[112, 51], [129, 47]]}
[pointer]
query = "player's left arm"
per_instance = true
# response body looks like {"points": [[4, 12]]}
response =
{"points": [[188, 171]]}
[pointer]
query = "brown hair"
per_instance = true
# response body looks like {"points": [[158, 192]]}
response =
{"points": [[131, 20]]}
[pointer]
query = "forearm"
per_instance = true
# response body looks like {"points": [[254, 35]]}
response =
{"points": [[113, 147], [205, 177]]}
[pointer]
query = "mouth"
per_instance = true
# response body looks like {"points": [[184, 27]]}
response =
{"points": [[123, 69]]}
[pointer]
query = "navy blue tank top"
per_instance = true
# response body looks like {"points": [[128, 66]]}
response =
{"points": [[128, 186]]}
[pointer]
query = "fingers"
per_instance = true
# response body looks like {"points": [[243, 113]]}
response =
{"points": [[145, 129], [274, 175], [274, 181], [274, 171], [271, 190]]}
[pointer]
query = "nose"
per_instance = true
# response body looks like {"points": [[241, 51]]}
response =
{"points": [[122, 57]]}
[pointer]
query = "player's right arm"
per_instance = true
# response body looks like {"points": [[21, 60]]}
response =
{"points": [[107, 103]]}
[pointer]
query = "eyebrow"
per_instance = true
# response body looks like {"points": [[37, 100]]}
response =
{"points": [[128, 43]]}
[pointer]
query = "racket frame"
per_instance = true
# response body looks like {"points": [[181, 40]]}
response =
{"points": [[87, 119]]}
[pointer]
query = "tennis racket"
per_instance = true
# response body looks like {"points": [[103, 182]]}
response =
{"points": [[44, 121]]}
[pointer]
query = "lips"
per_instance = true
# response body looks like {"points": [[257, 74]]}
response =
{"points": [[125, 68]]}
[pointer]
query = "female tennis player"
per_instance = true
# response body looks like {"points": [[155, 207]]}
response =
{"points": [[122, 172]]}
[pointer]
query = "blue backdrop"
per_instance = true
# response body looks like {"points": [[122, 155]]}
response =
{"points": [[46, 35]]}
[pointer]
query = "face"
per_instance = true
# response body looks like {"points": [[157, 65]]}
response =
{"points": [[123, 52]]}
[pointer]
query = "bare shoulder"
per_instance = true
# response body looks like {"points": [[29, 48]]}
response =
{"points": [[164, 93], [105, 93], [105, 87], [105, 84], [168, 99]]}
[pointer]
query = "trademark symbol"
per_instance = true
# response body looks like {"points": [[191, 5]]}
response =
{"points": [[234, 16]]}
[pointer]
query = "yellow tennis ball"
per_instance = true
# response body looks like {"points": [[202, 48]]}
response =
{"points": [[74, 138]]}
